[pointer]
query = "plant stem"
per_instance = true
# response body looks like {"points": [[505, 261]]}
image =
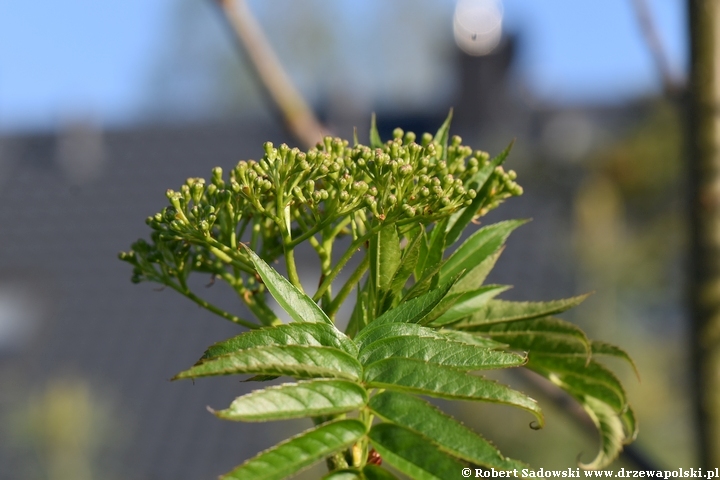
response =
{"points": [[209, 306], [292, 269], [228, 255], [317, 228], [253, 300], [348, 287], [341, 263]]}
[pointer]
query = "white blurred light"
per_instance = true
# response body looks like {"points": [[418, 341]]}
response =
{"points": [[477, 25], [20, 314]]}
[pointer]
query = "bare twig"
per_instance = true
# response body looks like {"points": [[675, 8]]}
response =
{"points": [[671, 84], [298, 115]]}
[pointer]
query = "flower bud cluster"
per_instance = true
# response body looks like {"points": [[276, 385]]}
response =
{"points": [[288, 191], [179, 231]]}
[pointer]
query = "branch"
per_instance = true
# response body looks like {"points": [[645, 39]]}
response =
{"points": [[671, 84], [297, 114]]}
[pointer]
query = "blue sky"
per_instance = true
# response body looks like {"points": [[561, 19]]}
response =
{"points": [[90, 59]]}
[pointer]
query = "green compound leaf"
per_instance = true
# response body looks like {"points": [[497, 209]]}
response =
{"points": [[441, 352], [610, 426], [449, 434], [600, 394], [296, 400], [580, 377], [349, 474], [497, 311], [300, 452], [292, 360], [298, 305], [475, 276], [410, 257], [373, 333], [415, 309], [459, 220], [431, 255], [470, 339], [464, 304], [360, 316], [412, 454], [373, 472], [602, 348], [385, 255], [307, 334], [630, 424], [415, 376], [542, 335], [443, 134], [478, 247]]}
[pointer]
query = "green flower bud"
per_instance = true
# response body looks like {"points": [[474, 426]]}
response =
{"points": [[217, 177], [297, 193], [409, 211], [310, 186], [283, 150], [292, 155], [359, 187]]}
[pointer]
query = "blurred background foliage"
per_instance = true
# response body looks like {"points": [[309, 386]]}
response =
{"points": [[111, 105]]}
